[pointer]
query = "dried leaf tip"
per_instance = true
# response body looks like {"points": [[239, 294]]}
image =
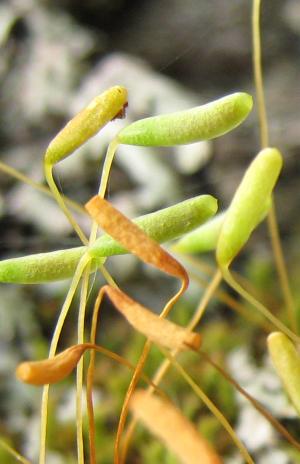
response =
{"points": [[133, 238], [166, 422], [158, 330], [51, 370]]}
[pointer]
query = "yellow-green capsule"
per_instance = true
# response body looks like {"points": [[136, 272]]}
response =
{"points": [[183, 127], [43, 267], [202, 239], [286, 360], [162, 226], [249, 205], [102, 109]]}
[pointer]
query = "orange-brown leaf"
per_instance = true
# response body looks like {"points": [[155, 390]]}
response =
{"points": [[51, 370], [180, 436], [134, 239], [158, 330]]}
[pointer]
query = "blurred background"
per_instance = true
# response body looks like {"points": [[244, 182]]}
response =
{"points": [[55, 57]]}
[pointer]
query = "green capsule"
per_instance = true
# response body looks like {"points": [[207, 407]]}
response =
{"points": [[41, 267], [102, 109], [202, 239], [183, 127], [286, 360], [162, 226], [249, 205]]}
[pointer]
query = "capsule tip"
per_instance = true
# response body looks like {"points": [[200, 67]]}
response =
{"points": [[23, 372], [245, 102]]}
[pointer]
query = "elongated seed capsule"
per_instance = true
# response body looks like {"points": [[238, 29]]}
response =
{"points": [[41, 267], [249, 205], [161, 226], [203, 238], [183, 127], [51, 370], [286, 360], [102, 109]]}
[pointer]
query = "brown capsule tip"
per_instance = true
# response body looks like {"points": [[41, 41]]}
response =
{"points": [[194, 341], [122, 113]]}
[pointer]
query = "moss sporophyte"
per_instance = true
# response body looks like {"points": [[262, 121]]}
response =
{"points": [[193, 228]]}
